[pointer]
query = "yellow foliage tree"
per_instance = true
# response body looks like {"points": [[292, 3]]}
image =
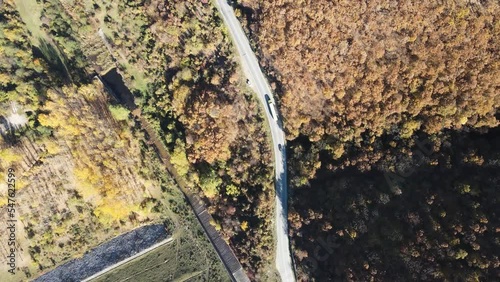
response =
{"points": [[244, 225], [179, 159], [9, 157], [232, 190], [113, 210]]}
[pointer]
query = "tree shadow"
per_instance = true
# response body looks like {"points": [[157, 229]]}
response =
{"points": [[54, 59], [407, 236]]}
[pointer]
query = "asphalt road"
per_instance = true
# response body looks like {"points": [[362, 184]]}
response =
{"points": [[261, 87]]}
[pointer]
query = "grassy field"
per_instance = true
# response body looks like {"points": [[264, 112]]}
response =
{"points": [[30, 11]]}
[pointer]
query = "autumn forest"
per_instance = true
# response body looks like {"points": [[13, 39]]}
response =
{"points": [[390, 110]]}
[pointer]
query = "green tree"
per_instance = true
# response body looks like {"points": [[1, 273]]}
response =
{"points": [[232, 190], [179, 159], [210, 184], [118, 112]]}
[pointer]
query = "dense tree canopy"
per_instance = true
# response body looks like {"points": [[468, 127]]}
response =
{"points": [[362, 84], [363, 68], [435, 220]]}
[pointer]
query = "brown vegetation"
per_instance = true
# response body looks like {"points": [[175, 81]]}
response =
{"points": [[357, 70], [361, 83]]}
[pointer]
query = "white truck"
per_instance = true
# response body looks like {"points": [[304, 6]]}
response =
{"points": [[272, 108]]}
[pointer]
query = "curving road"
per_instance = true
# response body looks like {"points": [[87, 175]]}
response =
{"points": [[259, 84]]}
